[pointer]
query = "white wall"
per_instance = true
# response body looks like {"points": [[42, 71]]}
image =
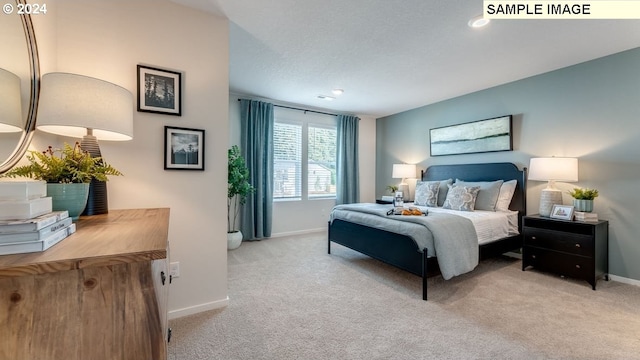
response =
{"points": [[292, 217], [106, 40]]}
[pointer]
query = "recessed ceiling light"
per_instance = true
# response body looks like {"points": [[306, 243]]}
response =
{"points": [[325, 97], [478, 21], [337, 92]]}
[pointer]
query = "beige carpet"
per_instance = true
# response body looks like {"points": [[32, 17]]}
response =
{"points": [[289, 299]]}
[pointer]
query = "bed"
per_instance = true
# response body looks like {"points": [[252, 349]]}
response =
{"points": [[403, 251]]}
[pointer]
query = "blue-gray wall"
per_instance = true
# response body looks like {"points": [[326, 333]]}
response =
{"points": [[590, 111]]}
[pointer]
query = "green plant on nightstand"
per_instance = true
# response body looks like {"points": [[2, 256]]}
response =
{"points": [[583, 198], [392, 189]]}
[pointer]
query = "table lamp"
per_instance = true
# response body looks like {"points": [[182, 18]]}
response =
{"points": [[10, 102], [552, 169], [81, 106], [404, 171]]}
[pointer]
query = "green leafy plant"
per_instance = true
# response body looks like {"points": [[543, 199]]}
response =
{"points": [[66, 165], [584, 194], [392, 188], [238, 187]]}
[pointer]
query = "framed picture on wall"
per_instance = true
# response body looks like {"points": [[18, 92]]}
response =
{"points": [[474, 137], [159, 91], [183, 148]]}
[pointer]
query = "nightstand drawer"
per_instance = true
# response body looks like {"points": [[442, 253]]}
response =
{"points": [[559, 241], [578, 267]]}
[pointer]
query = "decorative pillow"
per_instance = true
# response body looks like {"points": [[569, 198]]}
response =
{"points": [[427, 193], [506, 193], [442, 193], [488, 195], [461, 198]]}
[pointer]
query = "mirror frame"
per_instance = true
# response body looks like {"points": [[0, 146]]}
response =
{"points": [[30, 123]]}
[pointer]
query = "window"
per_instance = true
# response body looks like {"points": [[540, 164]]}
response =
{"points": [[321, 161], [304, 155], [287, 160]]}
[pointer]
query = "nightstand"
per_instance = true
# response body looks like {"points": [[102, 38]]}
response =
{"points": [[569, 248]]}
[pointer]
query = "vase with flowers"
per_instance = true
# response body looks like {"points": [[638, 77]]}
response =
{"points": [[68, 172]]}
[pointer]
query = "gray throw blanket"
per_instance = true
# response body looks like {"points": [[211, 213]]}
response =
{"points": [[453, 237]]}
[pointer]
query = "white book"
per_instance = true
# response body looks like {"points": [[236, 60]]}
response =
{"points": [[35, 235], [36, 246], [585, 214], [11, 189], [24, 209], [587, 220], [35, 224]]}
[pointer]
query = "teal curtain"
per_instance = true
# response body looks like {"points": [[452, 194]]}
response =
{"points": [[256, 145], [348, 184]]}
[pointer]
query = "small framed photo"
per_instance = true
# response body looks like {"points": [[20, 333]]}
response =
{"points": [[183, 148], [159, 91], [562, 212]]}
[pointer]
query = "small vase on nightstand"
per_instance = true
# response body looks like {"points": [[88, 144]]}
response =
{"points": [[583, 205]]}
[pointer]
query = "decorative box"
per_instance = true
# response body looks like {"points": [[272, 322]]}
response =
{"points": [[24, 209], [22, 190]]}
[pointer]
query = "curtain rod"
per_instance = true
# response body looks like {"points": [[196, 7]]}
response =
{"points": [[305, 110]]}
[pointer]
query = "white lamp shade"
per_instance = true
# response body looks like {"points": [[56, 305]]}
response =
{"points": [[70, 104], [554, 169], [403, 171], [10, 102]]}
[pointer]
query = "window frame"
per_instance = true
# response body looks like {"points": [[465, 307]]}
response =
{"points": [[305, 119]]}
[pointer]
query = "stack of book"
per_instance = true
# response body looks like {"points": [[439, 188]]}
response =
{"points": [[27, 222], [585, 216]]}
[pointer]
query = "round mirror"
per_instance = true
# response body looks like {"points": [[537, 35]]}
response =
{"points": [[19, 86]]}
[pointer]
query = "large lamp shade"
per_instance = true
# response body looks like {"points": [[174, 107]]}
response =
{"points": [[404, 171], [71, 104], [10, 102], [81, 106]]}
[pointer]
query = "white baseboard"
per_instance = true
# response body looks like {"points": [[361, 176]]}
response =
{"points": [[624, 280], [300, 232], [178, 313]]}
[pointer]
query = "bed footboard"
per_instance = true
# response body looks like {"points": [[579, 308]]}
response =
{"points": [[394, 249]]}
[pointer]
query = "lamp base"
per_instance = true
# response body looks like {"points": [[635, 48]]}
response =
{"points": [[548, 198], [405, 192], [97, 202]]}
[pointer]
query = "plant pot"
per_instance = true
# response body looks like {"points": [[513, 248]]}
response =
{"points": [[71, 197], [583, 205], [234, 240]]}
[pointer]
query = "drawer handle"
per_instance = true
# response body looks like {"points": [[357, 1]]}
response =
{"points": [[577, 266], [533, 238], [533, 256], [577, 245]]}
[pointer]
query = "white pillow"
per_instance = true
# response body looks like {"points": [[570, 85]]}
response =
{"points": [[507, 190]]}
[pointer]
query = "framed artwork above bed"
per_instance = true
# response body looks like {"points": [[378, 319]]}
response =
{"points": [[488, 135]]}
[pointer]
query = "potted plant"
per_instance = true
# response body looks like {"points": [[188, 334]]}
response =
{"points": [[238, 188], [392, 189], [583, 198], [68, 172]]}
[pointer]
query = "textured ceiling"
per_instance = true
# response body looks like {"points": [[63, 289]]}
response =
{"points": [[394, 55]]}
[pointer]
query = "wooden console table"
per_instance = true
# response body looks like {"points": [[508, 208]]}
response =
{"points": [[101, 293]]}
